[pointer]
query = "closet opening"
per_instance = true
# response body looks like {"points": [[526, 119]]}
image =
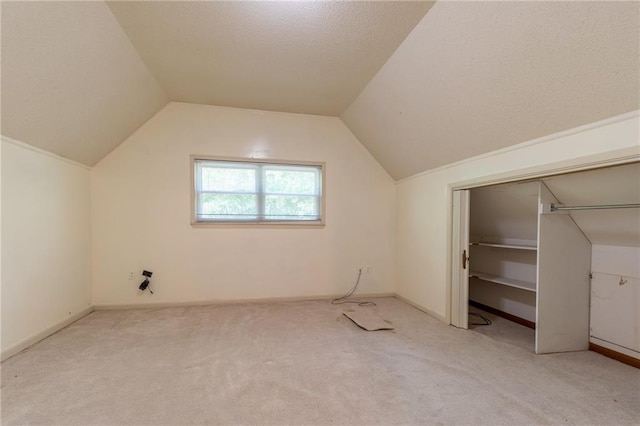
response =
{"points": [[530, 260]]}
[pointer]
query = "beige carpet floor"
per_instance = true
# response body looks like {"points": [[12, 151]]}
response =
{"points": [[503, 330], [303, 363]]}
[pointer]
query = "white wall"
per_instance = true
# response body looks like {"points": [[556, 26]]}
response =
{"points": [[424, 201], [1, 298], [615, 307], [141, 213], [46, 232]]}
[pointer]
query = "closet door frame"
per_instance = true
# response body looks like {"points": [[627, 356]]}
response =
{"points": [[460, 259], [455, 286]]}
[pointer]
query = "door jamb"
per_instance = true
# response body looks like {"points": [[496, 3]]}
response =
{"points": [[539, 172]]}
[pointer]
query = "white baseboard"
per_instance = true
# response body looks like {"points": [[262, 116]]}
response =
{"points": [[152, 305], [19, 347], [423, 309]]}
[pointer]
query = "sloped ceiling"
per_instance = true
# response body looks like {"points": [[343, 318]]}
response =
{"points": [[304, 57], [72, 83], [470, 77], [478, 76]]}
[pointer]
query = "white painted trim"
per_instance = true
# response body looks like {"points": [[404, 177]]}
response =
{"points": [[608, 159], [614, 347], [422, 308], [596, 161], [19, 347], [251, 223], [222, 302], [42, 152], [458, 292], [580, 129]]}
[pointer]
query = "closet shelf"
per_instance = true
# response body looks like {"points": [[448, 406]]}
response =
{"points": [[511, 282], [506, 246]]}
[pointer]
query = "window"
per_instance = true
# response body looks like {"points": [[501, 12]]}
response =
{"points": [[257, 192]]}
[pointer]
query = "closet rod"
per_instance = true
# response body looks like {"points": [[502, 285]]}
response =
{"points": [[555, 208]]}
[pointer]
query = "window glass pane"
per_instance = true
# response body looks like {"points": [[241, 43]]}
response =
{"points": [[288, 207], [257, 192], [227, 206], [288, 181], [228, 179]]}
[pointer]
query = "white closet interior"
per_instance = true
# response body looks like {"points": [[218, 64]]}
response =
{"points": [[503, 248], [615, 262], [572, 274], [530, 263]]}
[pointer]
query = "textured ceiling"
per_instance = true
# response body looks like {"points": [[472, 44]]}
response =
{"points": [[304, 56], [478, 76], [470, 77], [72, 83]]}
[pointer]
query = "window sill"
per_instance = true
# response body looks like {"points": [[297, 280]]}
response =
{"points": [[276, 225]]}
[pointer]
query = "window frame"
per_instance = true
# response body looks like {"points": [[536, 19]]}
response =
{"points": [[195, 222]]}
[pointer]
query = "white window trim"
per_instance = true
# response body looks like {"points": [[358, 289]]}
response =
{"points": [[271, 223]]}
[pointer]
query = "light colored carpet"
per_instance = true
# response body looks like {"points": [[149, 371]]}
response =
{"points": [[367, 319], [503, 330], [303, 363]]}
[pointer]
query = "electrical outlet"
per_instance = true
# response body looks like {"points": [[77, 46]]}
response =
{"points": [[132, 275]]}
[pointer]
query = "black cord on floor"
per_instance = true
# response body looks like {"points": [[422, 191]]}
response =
{"points": [[342, 300], [486, 320]]}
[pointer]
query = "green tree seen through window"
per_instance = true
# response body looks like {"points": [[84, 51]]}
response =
{"points": [[257, 191]]}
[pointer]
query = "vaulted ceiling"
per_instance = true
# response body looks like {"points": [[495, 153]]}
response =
{"points": [[473, 77], [72, 83], [419, 84], [304, 57]]}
